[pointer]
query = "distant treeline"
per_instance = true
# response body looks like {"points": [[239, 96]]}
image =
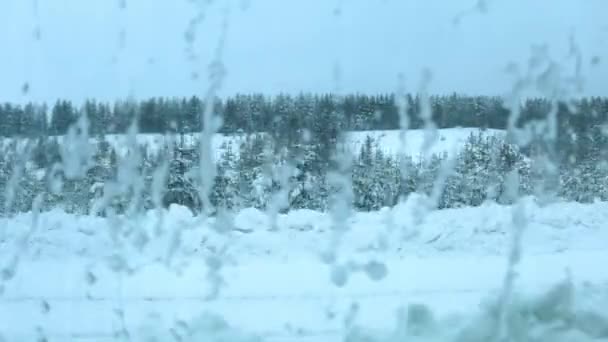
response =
{"points": [[289, 114]]}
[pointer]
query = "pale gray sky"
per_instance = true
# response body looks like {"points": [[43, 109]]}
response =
{"points": [[287, 45]]}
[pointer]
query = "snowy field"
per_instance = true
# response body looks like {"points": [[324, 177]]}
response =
{"points": [[79, 278], [446, 140]]}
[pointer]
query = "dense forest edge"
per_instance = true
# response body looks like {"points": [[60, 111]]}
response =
{"points": [[288, 156]]}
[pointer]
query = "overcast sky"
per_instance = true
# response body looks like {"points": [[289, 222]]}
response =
{"points": [[276, 46]]}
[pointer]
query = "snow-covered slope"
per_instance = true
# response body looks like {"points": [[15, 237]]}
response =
{"points": [[445, 140], [89, 278]]}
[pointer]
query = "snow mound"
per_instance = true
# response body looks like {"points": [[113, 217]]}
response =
{"points": [[250, 220], [304, 220]]}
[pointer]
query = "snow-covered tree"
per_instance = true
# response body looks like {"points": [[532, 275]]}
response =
{"points": [[250, 170], [376, 178], [224, 194], [180, 187]]}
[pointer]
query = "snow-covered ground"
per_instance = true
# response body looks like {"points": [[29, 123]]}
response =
{"points": [[66, 286], [445, 140], [448, 140]]}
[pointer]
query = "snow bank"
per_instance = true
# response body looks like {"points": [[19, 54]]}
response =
{"points": [[89, 278], [407, 229]]}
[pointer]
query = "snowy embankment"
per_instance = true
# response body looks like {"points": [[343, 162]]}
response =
{"points": [[405, 230], [276, 287]]}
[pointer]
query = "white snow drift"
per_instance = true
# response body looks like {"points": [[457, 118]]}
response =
{"points": [[433, 276]]}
